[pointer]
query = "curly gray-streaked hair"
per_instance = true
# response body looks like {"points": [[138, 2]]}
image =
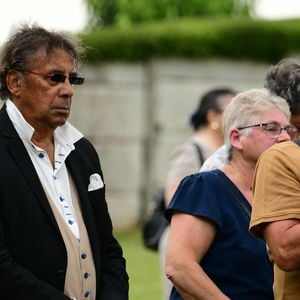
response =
{"points": [[26, 42], [283, 80]]}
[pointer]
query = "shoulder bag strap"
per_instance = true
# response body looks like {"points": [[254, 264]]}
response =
{"points": [[237, 197], [200, 154]]}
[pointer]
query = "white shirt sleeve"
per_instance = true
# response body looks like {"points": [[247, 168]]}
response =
{"points": [[216, 160]]}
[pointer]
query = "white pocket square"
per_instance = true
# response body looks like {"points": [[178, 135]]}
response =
{"points": [[96, 182]]}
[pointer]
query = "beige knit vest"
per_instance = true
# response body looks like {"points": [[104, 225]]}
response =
{"points": [[80, 280]]}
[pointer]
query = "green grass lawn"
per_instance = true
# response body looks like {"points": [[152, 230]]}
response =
{"points": [[142, 266]]}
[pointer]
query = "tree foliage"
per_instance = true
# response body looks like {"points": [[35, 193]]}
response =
{"points": [[124, 13], [205, 38]]}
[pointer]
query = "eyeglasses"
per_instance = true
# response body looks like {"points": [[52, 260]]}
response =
{"points": [[272, 129], [58, 77]]}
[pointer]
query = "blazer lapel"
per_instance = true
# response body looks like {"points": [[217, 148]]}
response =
{"points": [[23, 162], [73, 166]]}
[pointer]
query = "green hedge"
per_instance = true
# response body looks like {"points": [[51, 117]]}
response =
{"points": [[266, 41]]}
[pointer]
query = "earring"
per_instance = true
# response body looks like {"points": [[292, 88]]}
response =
{"points": [[214, 125]]}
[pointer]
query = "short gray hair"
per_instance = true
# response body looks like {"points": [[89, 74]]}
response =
{"points": [[246, 108]]}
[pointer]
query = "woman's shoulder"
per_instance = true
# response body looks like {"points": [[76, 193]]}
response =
{"points": [[199, 195], [202, 180]]}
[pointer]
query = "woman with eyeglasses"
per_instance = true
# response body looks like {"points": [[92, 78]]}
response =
{"points": [[211, 254]]}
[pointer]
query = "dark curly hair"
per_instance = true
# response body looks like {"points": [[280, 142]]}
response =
{"points": [[18, 52], [283, 80], [209, 101]]}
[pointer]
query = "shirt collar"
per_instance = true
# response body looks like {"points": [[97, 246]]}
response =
{"points": [[66, 135]]}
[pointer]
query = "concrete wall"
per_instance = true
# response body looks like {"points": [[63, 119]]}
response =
{"points": [[136, 113]]}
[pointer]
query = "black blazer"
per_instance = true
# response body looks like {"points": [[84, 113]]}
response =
{"points": [[33, 256]]}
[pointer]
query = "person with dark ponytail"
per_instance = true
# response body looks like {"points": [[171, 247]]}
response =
{"points": [[211, 102], [206, 122]]}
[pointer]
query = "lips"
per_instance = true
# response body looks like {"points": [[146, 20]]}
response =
{"points": [[62, 109]]}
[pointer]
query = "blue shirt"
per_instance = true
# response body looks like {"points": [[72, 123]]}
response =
{"points": [[236, 262]]}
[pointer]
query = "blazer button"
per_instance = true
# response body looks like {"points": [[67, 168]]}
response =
{"points": [[61, 274]]}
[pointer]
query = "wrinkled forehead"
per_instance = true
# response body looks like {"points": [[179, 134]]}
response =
{"points": [[44, 57]]}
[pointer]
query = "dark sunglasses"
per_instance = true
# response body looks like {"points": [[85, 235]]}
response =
{"points": [[58, 77], [74, 79]]}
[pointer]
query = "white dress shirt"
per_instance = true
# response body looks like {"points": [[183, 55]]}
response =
{"points": [[54, 180], [216, 161]]}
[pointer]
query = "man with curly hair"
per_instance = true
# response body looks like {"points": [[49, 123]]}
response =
{"points": [[276, 205], [283, 80]]}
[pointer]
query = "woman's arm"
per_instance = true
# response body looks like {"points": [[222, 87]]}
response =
{"points": [[189, 240]]}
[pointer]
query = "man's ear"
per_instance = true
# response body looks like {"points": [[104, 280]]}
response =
{"points": [[13, 81]]}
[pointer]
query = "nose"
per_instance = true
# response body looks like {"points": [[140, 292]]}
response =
{"points": [[66, 89]]}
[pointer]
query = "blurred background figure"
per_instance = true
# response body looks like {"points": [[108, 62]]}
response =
{"points": [[187, 158]]}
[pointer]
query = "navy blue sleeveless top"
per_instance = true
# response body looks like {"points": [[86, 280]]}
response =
{"points": [[236, 262]]}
